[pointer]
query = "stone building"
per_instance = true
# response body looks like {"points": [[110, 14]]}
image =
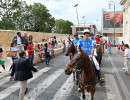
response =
{"points": [[126, 20]]}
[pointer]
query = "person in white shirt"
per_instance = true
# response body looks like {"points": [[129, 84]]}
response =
{"points": [[126, 55], [59, 44]]}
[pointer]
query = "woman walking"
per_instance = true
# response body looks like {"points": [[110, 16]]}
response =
{"points": [[47, 54]]}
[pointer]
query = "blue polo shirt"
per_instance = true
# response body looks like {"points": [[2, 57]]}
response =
{"points": [[94, 42], [87, 46], [75, 41]]}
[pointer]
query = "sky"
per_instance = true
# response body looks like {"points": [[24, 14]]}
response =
{"points": [[91, 9]]}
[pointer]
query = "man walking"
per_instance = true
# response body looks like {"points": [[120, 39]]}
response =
{"points": [[23, 71]]}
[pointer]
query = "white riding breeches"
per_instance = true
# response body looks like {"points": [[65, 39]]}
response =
{"points": [[95, 52], [96, 63]]}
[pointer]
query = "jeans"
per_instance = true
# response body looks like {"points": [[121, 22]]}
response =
{"points": [[64, 49], [105, 46], [12, 61], [109, 49], [47, 57], [31, 57]]}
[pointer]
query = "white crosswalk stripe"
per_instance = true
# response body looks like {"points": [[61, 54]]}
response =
{"points": [[65, 90], [6, 79], [9, 90], [32, 95]]}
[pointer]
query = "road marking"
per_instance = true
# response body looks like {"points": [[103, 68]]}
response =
{"points": [[32, 95], [65, 90], [6, 79], [111, 88], [13, 88]]}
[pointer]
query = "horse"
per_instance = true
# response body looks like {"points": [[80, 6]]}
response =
{"points": [[71, 50], [99, 54], [87, 78]]}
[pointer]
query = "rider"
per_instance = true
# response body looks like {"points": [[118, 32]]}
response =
{"points": [[75, 41], [98, 40], [87, 45], [94, 43]]}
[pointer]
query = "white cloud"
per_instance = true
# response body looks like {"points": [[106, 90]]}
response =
{"points": [[65, 9]]}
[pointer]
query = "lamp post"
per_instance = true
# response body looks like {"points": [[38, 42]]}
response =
{"points": [[84, 21], [113, 3], [77, 15]]}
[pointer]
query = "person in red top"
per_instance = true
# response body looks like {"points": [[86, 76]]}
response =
{"points": [[97, 39], [30, 50], [64, 46], [119, 46]]}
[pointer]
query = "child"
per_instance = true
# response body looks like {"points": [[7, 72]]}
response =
{"points": [[47, 54], [126, 58]]}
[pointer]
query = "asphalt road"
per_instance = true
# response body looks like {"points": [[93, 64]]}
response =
{"points": [[51, 83]]}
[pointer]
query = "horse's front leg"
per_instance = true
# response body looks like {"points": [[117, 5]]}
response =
{"points": [[92, 93], [83, 96]]}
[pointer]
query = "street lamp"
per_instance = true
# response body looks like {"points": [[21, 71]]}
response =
{"points": [[113, 3], [77, 15], [84, 21]]}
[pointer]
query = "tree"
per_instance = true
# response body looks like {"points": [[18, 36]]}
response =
{"points": [[7, 10], [63, 26], [37, 18]]}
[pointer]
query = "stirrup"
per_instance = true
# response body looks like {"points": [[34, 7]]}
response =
{"points": [[102, 81]]}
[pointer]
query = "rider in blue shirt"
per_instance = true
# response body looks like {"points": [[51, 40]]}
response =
{"points": [[76, 40], [94, 43], [88, 46]]}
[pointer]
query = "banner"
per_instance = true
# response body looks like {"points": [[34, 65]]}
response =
{"points": [[108, 20]]}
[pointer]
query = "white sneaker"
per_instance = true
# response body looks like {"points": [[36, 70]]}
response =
{"points": [[123, 68]]}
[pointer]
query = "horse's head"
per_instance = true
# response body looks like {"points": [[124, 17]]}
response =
{"points": [[99, 47], [77, 62], [71, 48]]}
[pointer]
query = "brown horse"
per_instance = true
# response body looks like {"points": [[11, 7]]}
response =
{"points": [[71, 49], [87, 78], [99, 54]]}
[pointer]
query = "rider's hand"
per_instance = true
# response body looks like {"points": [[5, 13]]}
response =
{"points": [[91, 56]]}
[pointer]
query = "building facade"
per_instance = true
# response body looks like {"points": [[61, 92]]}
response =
{"points": [[126, 21], [112, 26], [82, 26]]}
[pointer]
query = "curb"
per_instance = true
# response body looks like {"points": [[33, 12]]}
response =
{"points": [[121, 82]]}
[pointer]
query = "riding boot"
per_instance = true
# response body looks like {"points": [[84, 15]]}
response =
{"points": [[101, 80]]}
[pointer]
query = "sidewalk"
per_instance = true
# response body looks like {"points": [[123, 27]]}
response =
{"points": [[117, 62]]}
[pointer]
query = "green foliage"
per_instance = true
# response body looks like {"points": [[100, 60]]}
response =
{"points": [[63, 26], [16, 14]]}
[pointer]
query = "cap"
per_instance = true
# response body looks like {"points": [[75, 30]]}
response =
{"points": [[75, 34], [86, 31], [91, 34]]}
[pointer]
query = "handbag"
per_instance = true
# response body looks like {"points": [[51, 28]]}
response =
{"points": [[2, 61], [11, 53]]}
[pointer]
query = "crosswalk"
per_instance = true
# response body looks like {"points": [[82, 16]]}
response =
{"points": [[50, 83]]}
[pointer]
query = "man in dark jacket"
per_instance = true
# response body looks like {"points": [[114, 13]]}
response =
{"points": [[23, 71], [25, 41], [19, 41]]}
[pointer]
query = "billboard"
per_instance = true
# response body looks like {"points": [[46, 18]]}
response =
{"points": [[108, 20]]}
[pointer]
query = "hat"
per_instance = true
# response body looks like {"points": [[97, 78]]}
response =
{"points": [[86, 31], [75, 34], [91, 34]]}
